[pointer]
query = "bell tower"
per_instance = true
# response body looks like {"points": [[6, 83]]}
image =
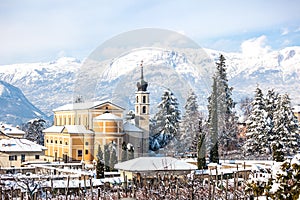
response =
{"points": [[142, 111]]}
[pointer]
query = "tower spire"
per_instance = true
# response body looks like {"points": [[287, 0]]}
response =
{"points": [[142, 86], [142, 70]]}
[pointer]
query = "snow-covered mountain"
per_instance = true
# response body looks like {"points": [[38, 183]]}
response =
{"points": [[15, 108], [49, 85]]}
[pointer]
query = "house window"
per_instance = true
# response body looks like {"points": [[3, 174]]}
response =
{"points": [[13, 157], [37, 157], [22, 157], [144, 99], [86, 151], [79, 152]]}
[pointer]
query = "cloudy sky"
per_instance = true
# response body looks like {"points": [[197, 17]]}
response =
{"points": [[44, 30]]}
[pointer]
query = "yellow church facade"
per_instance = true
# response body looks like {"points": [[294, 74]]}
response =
{"points": [[79, 128]]}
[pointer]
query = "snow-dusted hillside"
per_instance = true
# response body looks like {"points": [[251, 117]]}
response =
{"points": [[49, 85], [15, 108], [46, 85]]}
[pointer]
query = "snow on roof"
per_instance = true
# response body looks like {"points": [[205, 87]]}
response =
{"points": [[154, 164], [131, 127], [77, 129], [107, 116], [70, 129], [296, 159], [9, 129], [20, 145], [83, 106], [297, 108], [78, 106], [54, 129]]}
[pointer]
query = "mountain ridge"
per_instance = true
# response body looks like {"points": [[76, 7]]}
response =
{"points": [[15, 108], [49, 85]]}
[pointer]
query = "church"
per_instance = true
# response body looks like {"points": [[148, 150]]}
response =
{"points": [[79, 128]]}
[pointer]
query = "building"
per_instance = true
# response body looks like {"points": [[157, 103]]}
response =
{"points": [[14, 152], [12, 131], [297, 112], [151, 166], [80, 128]]}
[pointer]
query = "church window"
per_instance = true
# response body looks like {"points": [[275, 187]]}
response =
{"points": [[144, 109], [79, 152], [144, 99]]}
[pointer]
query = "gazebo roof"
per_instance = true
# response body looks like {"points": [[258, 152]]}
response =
{"points": [[144, 164]]}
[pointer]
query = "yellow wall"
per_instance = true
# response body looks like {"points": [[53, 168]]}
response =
{"points": [[29, 156], [87, 143]]}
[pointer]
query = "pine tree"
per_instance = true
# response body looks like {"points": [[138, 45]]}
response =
{"points": [[257, 127], [167, 120], [124, 152], [271, 105], [34, 130], [213, 124], [107, 157], [285, 131], [113, 156], [222, 119], [100, 164], [189, 124], [246, 107], [201, 148], [288, 179]]}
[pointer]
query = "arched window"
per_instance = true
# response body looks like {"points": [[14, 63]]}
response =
{"points": [[144, 109], [137, 99], [144, 99]]}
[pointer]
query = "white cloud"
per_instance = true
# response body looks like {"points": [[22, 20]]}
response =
{"points": [[285, 31], [286, 42], [297, 30], [255, 46]]}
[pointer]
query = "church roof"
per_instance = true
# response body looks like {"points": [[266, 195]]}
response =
{"points": [[129, 127], [143, 164], [84, 106], [54, 129], [107, 116], [70, 128], [77, 129]]}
